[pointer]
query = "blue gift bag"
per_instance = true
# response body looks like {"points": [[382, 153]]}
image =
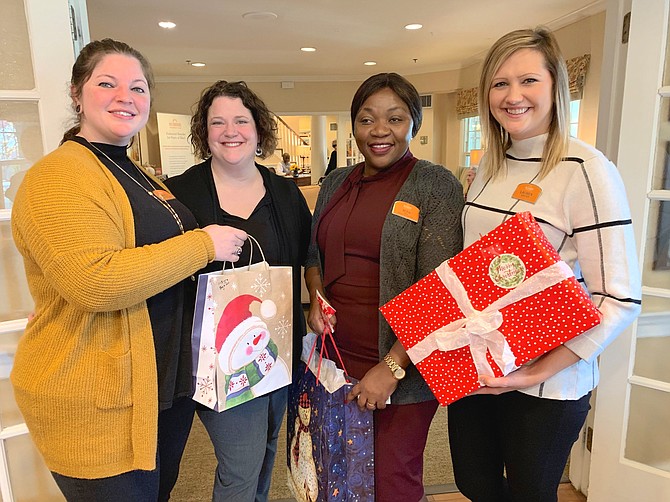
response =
{"points": [[330, 453]]}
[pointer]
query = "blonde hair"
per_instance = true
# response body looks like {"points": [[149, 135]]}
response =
{"points": [[495, 139]]}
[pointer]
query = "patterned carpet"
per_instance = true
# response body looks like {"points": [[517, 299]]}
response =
{"points": [[198, 464]]}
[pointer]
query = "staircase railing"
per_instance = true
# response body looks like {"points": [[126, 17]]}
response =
{"points": [[289, 141]]}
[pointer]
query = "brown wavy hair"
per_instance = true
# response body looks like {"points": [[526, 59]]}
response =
{"points": [[85, 64], [266, 125]]}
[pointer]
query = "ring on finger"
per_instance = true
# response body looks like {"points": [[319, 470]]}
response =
{"points": [[372, 406], [238, 251]]}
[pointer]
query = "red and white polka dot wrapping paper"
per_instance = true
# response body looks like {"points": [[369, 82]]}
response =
{"points": [[532, 326]]}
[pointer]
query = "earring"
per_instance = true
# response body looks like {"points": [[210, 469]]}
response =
{"points": [[77, 109], [259, 152]]}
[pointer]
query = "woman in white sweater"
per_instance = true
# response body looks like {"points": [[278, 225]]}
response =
{"points": [[525, 423]]}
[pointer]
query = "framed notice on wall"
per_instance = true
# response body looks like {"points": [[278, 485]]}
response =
{"points": [[176, 152]]}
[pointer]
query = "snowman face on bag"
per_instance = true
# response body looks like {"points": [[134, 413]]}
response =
{"points": [[304, 414], [244, 344]]}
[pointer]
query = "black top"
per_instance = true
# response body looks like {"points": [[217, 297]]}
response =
{"points": [[332, 163], [154, 223], [280, 222]]}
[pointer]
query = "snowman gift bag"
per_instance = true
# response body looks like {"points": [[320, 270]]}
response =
{"points": [[330, 454], [242, 334]]}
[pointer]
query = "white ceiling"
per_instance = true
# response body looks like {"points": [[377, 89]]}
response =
{"points": [[346, 33]]}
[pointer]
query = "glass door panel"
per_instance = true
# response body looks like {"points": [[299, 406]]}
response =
{"points": [[653, 339], [20, 145], [16, 62], [30, 479], [9, 413], [647, 438], [17, 302]]}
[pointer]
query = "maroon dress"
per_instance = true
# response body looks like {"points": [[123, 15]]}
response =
{"points": [[349, 239]]}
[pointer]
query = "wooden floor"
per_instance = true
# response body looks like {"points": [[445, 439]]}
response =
{"points": [[566, 493]]}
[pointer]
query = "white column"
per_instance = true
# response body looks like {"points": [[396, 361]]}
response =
{"points": [[319, 148]]}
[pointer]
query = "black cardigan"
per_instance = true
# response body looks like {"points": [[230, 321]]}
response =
{"points": [[291, 216]]}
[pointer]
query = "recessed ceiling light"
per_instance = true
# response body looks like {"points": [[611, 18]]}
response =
{"points": [[198, 64], [414, 26], [370, 63], [260, 15], [168, 25], [308, 49]]}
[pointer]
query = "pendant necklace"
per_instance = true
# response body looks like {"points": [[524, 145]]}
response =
{"points": [[151, 193]]}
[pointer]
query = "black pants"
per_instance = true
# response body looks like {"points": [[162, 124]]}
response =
{"points": [[174, 425], [530, 437]]}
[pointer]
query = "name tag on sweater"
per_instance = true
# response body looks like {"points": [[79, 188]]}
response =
{"points": [[406, 210], [527, 192]]}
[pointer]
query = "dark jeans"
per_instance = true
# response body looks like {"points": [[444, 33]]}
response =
{"points": [[530, 437], [174, 425]]}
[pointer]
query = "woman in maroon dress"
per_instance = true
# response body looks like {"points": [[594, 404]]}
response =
{"points": [[378, 227]]}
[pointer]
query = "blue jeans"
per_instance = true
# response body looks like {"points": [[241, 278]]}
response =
{"points": [[245, 445], [527, 436], [127, 487]]}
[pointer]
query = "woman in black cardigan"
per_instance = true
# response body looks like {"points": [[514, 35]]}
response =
{"points": [[230, 128]]}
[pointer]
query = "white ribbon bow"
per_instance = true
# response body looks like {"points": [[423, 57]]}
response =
{"points": [[479, 329]]}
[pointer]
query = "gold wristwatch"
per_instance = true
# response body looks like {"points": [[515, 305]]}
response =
{"points": [[396, 369]]}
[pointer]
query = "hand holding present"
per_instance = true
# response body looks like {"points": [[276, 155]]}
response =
{"points": [[531, 374]]}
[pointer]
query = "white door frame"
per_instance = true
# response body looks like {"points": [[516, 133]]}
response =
{"points": [[614, 478]]}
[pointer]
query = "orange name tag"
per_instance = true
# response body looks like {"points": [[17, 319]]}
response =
{"points": [[527, 192], [406, 210], [163, 194]]}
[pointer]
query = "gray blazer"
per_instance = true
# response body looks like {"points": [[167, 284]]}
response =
{"points": [[409, 250]]}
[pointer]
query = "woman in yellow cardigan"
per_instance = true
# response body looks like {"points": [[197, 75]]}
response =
{"points": [[102, 373]]}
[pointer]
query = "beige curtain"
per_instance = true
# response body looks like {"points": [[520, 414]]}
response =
{"points": [[466, 101]]}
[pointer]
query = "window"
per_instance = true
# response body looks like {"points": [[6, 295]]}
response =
{"points": [[472, 137], [574, 117], [9, 142]]}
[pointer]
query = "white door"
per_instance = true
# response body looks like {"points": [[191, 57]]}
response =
{"points": [[631, 445], [36, 56]]}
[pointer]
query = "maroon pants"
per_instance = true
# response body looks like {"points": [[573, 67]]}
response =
{"points": [[400, 439]]}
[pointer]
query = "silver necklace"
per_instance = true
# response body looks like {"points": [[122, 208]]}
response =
{"points": [[151, 193]]}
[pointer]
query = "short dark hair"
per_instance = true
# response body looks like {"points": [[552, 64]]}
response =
{"points": [[398, 84], [266, 125], [85, 64]]}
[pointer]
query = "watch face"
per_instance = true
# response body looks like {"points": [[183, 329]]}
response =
{"points": [[399, 373]]}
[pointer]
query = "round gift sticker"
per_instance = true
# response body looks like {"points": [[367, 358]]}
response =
{"points": [[507, 271]]}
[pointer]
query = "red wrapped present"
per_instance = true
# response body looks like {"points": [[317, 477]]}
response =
{"points": [[499, 303]]}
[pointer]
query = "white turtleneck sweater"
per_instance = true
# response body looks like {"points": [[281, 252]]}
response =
{"points": [[584, 212]]}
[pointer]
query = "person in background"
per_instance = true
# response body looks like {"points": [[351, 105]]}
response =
{"points": [[332, 161], [378, 227], [285, 164], [231, 126], [102, 374], [524, 424]]}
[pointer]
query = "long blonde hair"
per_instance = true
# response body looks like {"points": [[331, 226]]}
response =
{"points": [[495, 139]]}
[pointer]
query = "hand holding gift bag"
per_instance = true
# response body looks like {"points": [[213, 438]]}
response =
{"points": [[504, 300], [330, 442], [242, 333]]}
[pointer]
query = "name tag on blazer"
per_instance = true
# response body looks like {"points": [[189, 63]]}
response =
{"points": [[406, 210]]}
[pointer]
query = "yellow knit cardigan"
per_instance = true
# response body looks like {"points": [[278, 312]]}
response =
{"points": [[84, 375]]}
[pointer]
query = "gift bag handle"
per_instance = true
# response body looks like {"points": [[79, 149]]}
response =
{"points": [[251, 240], [327, 332]]}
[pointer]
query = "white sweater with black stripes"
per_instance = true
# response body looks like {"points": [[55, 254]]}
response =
{"points": [[584, 212]]}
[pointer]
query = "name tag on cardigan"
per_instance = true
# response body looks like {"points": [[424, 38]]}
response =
{"points": [[164, 195], [527, 192], [406, 210]]}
